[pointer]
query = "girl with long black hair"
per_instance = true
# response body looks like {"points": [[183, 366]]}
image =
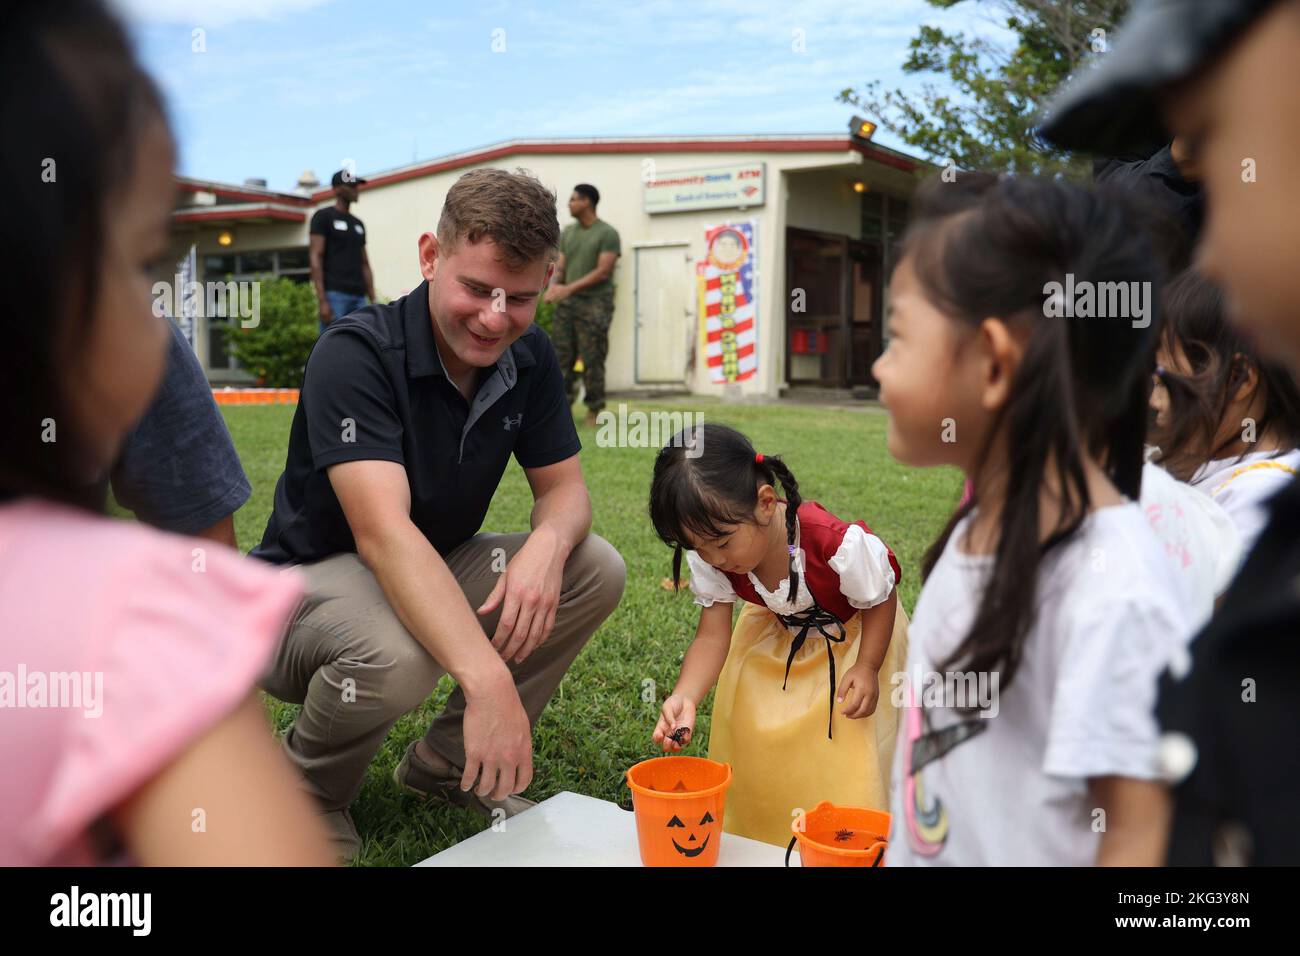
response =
{"points": [[1047, 586], [130, 729]]}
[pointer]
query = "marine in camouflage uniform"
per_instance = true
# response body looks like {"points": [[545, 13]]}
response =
{"points": [[580, 327]]}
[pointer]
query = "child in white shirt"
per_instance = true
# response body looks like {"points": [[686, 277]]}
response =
{"points": [[1226, 421], [1049, 605]]}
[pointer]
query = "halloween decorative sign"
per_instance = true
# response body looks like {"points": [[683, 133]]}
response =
{"points": [[679, 803], [726, 294]]}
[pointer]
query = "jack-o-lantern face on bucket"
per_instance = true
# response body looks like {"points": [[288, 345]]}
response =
{"points": [[688, 796], [693, 847]]}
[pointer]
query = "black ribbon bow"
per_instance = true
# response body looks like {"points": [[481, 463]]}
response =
{"points": [[814, 617]]}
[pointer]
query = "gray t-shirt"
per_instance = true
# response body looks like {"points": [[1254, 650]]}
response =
{"points": [[178, 470]]}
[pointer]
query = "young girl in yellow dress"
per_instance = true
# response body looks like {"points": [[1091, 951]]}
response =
{"points": [[799, 712]]}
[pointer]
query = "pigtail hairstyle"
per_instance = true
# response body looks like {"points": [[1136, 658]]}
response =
{"points": [[988, 246], [772, 470], [707, 478]]}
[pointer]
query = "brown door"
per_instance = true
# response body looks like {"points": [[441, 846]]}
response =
{"points": [[818, 308], [865, 331]]}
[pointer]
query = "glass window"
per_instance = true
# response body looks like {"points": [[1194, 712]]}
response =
{"points": [[251, 262], [815, 268], [218, 299], [873, 216], [899, 211], [218, 357], [292, 264], [294, 259], [218, 265]]}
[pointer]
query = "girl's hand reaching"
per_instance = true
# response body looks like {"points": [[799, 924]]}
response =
{"points": [[859, 691], [678, 714]]}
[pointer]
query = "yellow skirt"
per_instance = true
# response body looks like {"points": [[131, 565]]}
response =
{"points": [[775, 740]]}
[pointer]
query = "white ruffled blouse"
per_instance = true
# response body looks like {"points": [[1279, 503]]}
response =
{"points": [[861, 562]]}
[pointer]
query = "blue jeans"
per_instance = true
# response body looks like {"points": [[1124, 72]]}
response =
{"points": [[342, 303]]}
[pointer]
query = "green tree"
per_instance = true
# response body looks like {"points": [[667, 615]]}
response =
{"points": [[987, 123], [275, 350]]}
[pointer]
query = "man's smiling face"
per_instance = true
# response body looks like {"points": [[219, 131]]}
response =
{"points": [[479, 305]]}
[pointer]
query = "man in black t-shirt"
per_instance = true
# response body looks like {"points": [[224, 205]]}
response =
{"points": [[409, 415], [340, 270]]}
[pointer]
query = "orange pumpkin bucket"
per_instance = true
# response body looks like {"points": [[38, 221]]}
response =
{"points": [[679, 802], [840, 836]]}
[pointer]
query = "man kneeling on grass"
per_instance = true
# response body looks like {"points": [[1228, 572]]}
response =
{"points": [[409, 413]]}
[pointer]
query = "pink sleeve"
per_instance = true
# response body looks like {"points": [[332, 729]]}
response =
{"points": [[180, 649]]}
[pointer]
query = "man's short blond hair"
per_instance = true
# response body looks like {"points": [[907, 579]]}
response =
{"points": [[513, 209]]}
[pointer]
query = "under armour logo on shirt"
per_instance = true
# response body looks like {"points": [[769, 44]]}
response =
{"points": [[517, 420]]}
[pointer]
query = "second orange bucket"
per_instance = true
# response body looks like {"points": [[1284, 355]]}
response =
{"points": [[679, 803], [841, 836]]}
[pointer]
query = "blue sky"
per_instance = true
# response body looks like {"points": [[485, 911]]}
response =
{"points": [[288, 85]]}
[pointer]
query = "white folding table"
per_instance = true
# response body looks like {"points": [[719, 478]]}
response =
{"points": [[570, 829]]}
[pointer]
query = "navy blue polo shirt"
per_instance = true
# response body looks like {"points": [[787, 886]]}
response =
{"points": [[375, 389]]}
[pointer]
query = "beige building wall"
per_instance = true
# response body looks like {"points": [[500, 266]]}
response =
{"points": [[824, 200], [247, 238], [808, 189], [396, 214]]}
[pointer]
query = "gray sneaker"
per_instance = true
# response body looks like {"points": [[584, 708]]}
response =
{"points": [[416, 777]]}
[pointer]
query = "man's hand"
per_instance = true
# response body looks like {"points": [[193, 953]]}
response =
{"points": [[376, 499], [498, 742], [326, 312], [528, 593], [556, 293]]}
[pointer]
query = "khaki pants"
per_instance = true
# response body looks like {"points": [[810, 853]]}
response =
{"points": [[345, 631]]}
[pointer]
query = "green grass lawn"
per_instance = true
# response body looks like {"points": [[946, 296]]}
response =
{"points": [[598, 725]]}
